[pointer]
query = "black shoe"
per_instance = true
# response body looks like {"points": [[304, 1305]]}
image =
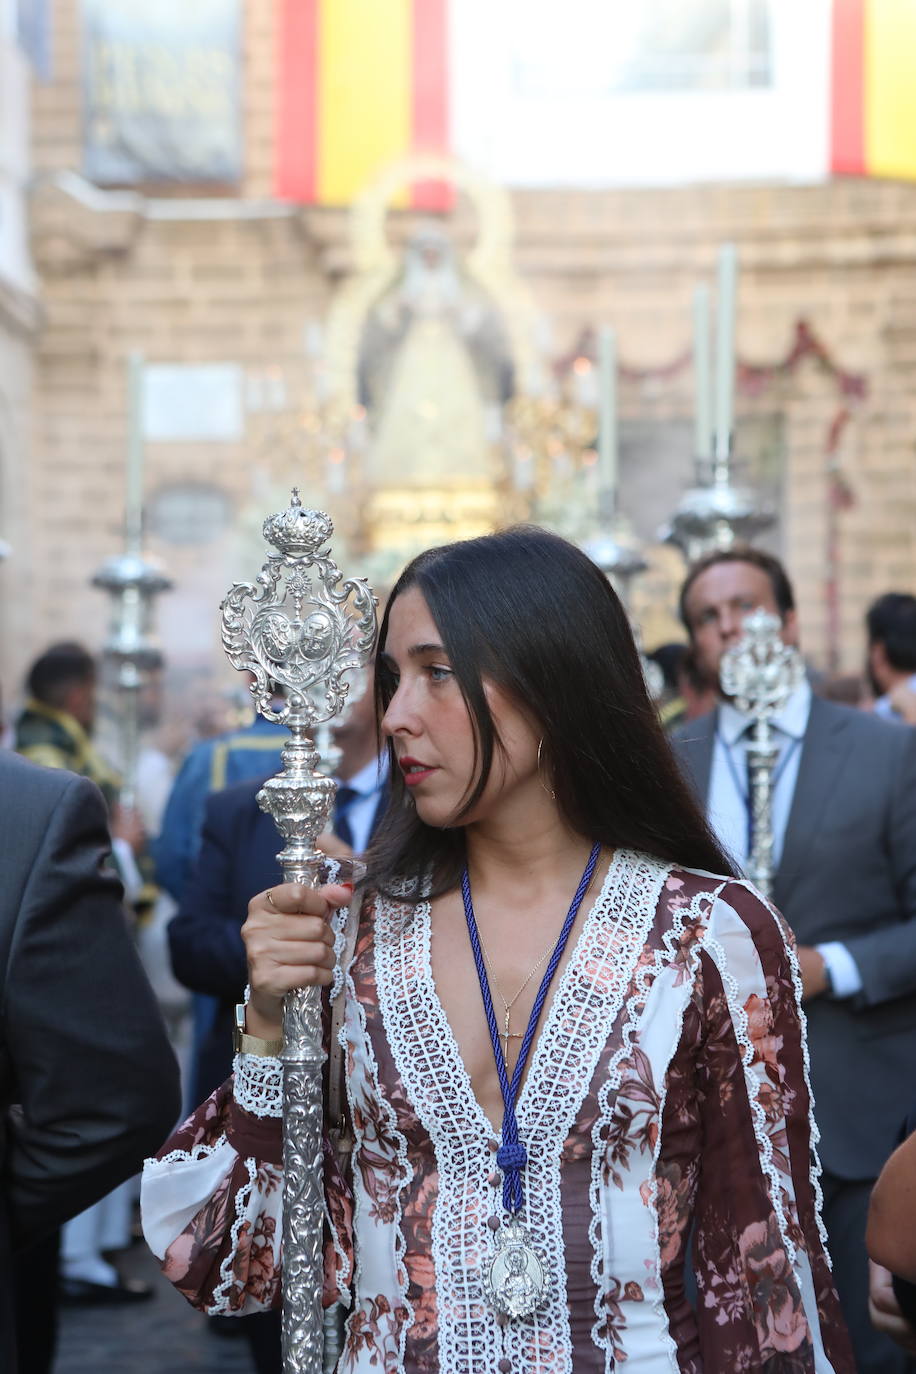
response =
{"points": [[82, 1293]]}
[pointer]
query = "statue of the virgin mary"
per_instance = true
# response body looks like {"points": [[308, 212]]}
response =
{"points": [[434, 373]]}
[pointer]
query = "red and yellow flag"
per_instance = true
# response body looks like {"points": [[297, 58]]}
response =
{"points": [[873, 116], [360, 83]]}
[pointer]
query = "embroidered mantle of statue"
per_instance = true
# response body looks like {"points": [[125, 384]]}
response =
{"points": [[435, 369]]}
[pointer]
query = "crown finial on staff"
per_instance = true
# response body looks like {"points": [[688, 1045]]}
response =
{"points": [[302, 626], [760, 672]]}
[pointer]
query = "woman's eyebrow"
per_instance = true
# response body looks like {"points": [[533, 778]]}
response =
{"points": [[416, 650]]}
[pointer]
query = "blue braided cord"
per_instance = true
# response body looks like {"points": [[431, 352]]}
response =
{"points": [[511, 1156]]}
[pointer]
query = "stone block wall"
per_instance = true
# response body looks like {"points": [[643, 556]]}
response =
{"points": [[200, 280]]}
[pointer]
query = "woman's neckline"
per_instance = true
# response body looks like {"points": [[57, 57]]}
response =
{"points": [[552, 1010]]}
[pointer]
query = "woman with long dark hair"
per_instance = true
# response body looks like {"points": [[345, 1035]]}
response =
{"points": [[575, 1056]]}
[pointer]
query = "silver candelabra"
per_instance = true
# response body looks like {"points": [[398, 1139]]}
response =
{"points": [[617, 552], [133, 582], [759, 674], [303, 629], [715, 513]]}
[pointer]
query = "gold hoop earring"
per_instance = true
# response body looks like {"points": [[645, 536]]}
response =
{"points": [[549, 790]]}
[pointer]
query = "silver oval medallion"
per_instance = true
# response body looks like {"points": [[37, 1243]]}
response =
{"points": [[516, 1281]]}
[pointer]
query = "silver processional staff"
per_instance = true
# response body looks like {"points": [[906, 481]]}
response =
{"points": [[304, 628], [759, 674]]}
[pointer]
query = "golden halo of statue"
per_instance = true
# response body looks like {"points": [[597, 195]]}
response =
{"points": [[376, 266]]}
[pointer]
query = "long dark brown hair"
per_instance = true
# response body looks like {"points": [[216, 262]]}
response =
{"points": [[532, 614]]}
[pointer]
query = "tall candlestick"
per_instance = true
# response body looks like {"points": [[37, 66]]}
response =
{"points": [[725, 348], [133, 514], [702, 375], [607, 412]]}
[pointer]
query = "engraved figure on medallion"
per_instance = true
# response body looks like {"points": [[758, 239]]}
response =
{"points": [[516, 1281], [518, 1288]]}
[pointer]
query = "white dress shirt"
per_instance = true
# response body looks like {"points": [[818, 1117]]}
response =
{"points": [[368, 782], [728, 802], [883, 705]]}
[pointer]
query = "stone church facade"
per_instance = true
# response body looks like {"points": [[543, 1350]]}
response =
{"points": [[229, 280]]}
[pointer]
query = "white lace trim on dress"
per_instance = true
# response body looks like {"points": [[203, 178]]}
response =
{"points": [[191, 1156], [436, 1084], [814, 1170], [585, 1007], [339, 919], [219, 1305], [258, 1084], [739, 1022], [366, 1050], [342, 1261], [602, 1259]]}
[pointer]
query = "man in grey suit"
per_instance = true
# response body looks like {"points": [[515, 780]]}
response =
{"points": [[844, 821], [88, 1081]]}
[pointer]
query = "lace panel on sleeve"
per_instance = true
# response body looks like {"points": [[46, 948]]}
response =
{"points": [[258, 1084]]}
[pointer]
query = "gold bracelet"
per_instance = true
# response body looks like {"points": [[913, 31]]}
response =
{"points": [[243, 1043]]}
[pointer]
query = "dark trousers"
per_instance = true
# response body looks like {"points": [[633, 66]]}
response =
{"points": [[845, 1216], [35, 1305], [262, 1331]]}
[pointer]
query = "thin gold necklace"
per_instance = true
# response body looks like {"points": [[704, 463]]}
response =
{"points": [[508, 1035]]}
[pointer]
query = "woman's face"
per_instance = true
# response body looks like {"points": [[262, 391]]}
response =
{"points": [[432, 730]]}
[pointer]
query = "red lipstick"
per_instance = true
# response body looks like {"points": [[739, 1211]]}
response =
{"points": [[414, 770]]}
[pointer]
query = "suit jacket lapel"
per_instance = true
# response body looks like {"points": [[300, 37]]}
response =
{"points": [[260, 852], [694, 746], [823, 751]]}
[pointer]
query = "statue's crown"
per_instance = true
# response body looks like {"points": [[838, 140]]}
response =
{"points": [[296, 531]]}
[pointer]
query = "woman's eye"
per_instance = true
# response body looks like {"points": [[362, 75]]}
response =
{"points": [[438, 674]]}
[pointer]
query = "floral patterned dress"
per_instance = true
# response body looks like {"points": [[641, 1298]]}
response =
{"points": [[667, 1106]]}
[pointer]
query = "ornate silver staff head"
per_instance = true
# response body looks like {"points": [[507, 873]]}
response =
{"points": [[301, 629], [760, 672]]}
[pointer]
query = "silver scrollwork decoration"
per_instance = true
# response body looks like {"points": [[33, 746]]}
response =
{"points": [[303, 631], [759, 674]]}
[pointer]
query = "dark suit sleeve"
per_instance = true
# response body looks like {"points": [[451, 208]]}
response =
{"points": [[92, 1070], [175, 847], [208, 953], [886, 958]]}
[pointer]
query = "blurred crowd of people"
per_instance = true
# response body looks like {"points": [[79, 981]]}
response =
{"points": [[197, 847]]}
